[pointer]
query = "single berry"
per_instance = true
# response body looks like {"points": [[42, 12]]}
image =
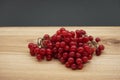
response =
{"points": [[85, 59], [97, 39], [79, 61], [80, 49], [73, 48], [101, 47], [72, 54], [77, 55], [48, 57], [91, 38], [39, 57], [74, 66], [65, 55], [67, 64], [80, 66], [48, 51], [98, 52], [71, 60], [46, 36]]}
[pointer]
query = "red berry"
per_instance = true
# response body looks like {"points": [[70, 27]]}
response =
{"points": [[80, 44], [91, 38], [36, 50], [73, 48], [48, 51], [42, 51], [72, 54], [46, 36], [30, 45], [85, 39], [78, 55], [101, 47], [62, 44], [71, 60], [98, 52], [83, 32], [87, 48], [48, 57], [79, 61], [67, 64], [72, 43], [39, 57], [74, 66], [57, 44], [89, 57], [80, 49], [73, 33], [32, 52], [66, 48], [85, 59], [58, 38], [65, 55], [80, 66], [60, 50], [62, 60], [64, 33], [62, 29], [97, 39]]}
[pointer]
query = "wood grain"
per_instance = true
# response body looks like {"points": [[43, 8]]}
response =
{"points": [[17, 64]]}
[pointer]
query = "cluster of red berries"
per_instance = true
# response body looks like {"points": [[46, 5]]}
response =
{"points": [[72, 48]]}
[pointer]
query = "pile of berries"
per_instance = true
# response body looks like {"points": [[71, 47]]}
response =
{"points": [[72, 48]]}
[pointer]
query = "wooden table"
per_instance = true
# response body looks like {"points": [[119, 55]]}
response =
{"points": [[17, 64]]}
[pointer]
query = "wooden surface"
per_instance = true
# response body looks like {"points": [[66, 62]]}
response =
{"points": [[17, 64]]}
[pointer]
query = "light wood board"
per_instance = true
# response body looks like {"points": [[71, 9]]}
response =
{"points": [[17, 64]]}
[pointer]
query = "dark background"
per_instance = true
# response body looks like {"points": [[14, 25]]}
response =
{"points": [[59, 12]]}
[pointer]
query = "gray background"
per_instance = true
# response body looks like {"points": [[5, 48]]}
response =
{"points": [[62, 12]]}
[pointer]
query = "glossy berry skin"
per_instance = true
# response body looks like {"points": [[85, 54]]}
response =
{"points": [[77, 55], [39, 57], [80, 49], [46, 36], [101, 47], [89, 57], [37, 50], [48, 57], [85, 59], [30, 45], [80, 66], [62, 44], [66, 48], [67, 64], [65, 55], [71, 60], [79, 61], [42, 51], [72, 54], [98, 52], [62, 60], [90, 38], [97, 39], [32, 52], [74, 66], [48, 51], [73, 48], [85, 39], [57, 44]]}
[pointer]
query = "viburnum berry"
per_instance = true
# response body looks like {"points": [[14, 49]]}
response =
{"points": [[74, 66], [79, 61], [67, 64], [71, 48], [85, 59], [97, 39]]}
